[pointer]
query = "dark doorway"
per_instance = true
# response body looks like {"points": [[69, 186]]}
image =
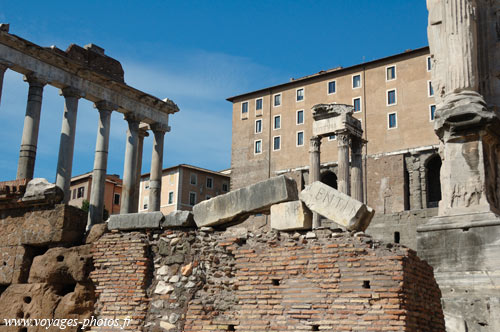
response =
{"points": [[329, 178], [433, 169]]}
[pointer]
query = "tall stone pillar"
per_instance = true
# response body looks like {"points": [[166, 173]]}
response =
{"points": [[357, 168], [314, 170], [27, 154], [156, 167], [96, 207], [3, 68], [130, 164], [143, 132], [67, 143], [344, 182]]}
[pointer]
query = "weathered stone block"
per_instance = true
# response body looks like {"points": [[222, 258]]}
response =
{"points": [[130, 221], [14, 265], [62, 266], [257, 198], [62, 224], [290, 216], [338, 207], [178, 219], [40, 189]]}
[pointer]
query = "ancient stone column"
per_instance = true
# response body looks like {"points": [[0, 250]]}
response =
{"points": [[314, 170], [130, 164], [27, 154], [67, 143], [156, 167], [143, 132], [357, 168], [3, 68], [344, 182], [96, 206]]}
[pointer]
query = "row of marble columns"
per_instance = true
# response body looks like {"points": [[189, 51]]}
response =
{"points": [[133, 150], [345, 141]]}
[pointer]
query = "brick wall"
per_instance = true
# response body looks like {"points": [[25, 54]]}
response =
{"points": [[120, 277]]}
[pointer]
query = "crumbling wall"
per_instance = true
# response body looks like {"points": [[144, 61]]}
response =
{"points": [[44, 268]]}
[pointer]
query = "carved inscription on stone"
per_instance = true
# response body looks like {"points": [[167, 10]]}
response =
{"points": [[334, 205]]}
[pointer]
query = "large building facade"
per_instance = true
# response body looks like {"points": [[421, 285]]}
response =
{"points": [[184, 186], [393, 99]]}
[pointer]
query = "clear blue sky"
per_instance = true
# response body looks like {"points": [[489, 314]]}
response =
{"points": [[197, 53]]}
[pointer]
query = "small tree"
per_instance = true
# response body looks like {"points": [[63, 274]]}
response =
{"points": [[85, 205]]}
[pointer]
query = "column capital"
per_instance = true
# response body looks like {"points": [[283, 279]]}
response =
{"points": [[143, 130], [132, 118], [33, 79], [314, 143], [71, 92], [3, 67], [159, 127], [343, 138], [104, 105]]}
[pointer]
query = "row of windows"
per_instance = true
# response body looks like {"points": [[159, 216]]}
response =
{"points": [[193, 180], [332, 88], [391, 99], [392, 122]]}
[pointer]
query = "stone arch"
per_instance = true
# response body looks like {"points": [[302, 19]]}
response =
{"points": [[329, 178], [432, 180]]}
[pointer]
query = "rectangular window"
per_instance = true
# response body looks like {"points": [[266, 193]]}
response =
{"points": [[300, 117], [332, 137], [81, 192], [170, 197], [300, 138], [277, 122], [356, 81], [430, 89], [225, 187], [392, 119], [244, 108], [391, 73], [116, 199], [429, 63], [300, 94], [357, 104], [193, 179], [258, 126], [332, 87], [276, 143], [146, 185], [277, 100], [432, 110], [145, 203], [391, 97], [258, 104], [192, 198], [210, 182], [74, 193], [258, 147]]}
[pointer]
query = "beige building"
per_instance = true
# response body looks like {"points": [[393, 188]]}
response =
{"points": [[393, 99], [183, 186], [80, 190]]}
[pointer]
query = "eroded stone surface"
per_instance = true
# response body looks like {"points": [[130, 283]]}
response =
{"points": [[337, 206], [14, 264], [178, 219], [290, 216], [40, 189], [130, 221], [256, 198]]}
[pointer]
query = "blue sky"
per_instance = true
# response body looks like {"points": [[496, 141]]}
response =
{"points": [[197, 53]]}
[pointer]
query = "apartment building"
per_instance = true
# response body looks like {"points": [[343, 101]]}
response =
{"points": [[183, 186], [393, 99], [82, 184]]}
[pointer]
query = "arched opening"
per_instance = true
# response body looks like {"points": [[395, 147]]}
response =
{"points": [[329, 178], [433, 169]]}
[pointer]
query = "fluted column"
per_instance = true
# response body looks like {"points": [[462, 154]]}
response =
{"points": [[314, 169], [344, 182], [96, 206], [130, 164], [156, 167], [357, 168], [143, 132], [27, 154], [67, 143], [3, 68]]}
